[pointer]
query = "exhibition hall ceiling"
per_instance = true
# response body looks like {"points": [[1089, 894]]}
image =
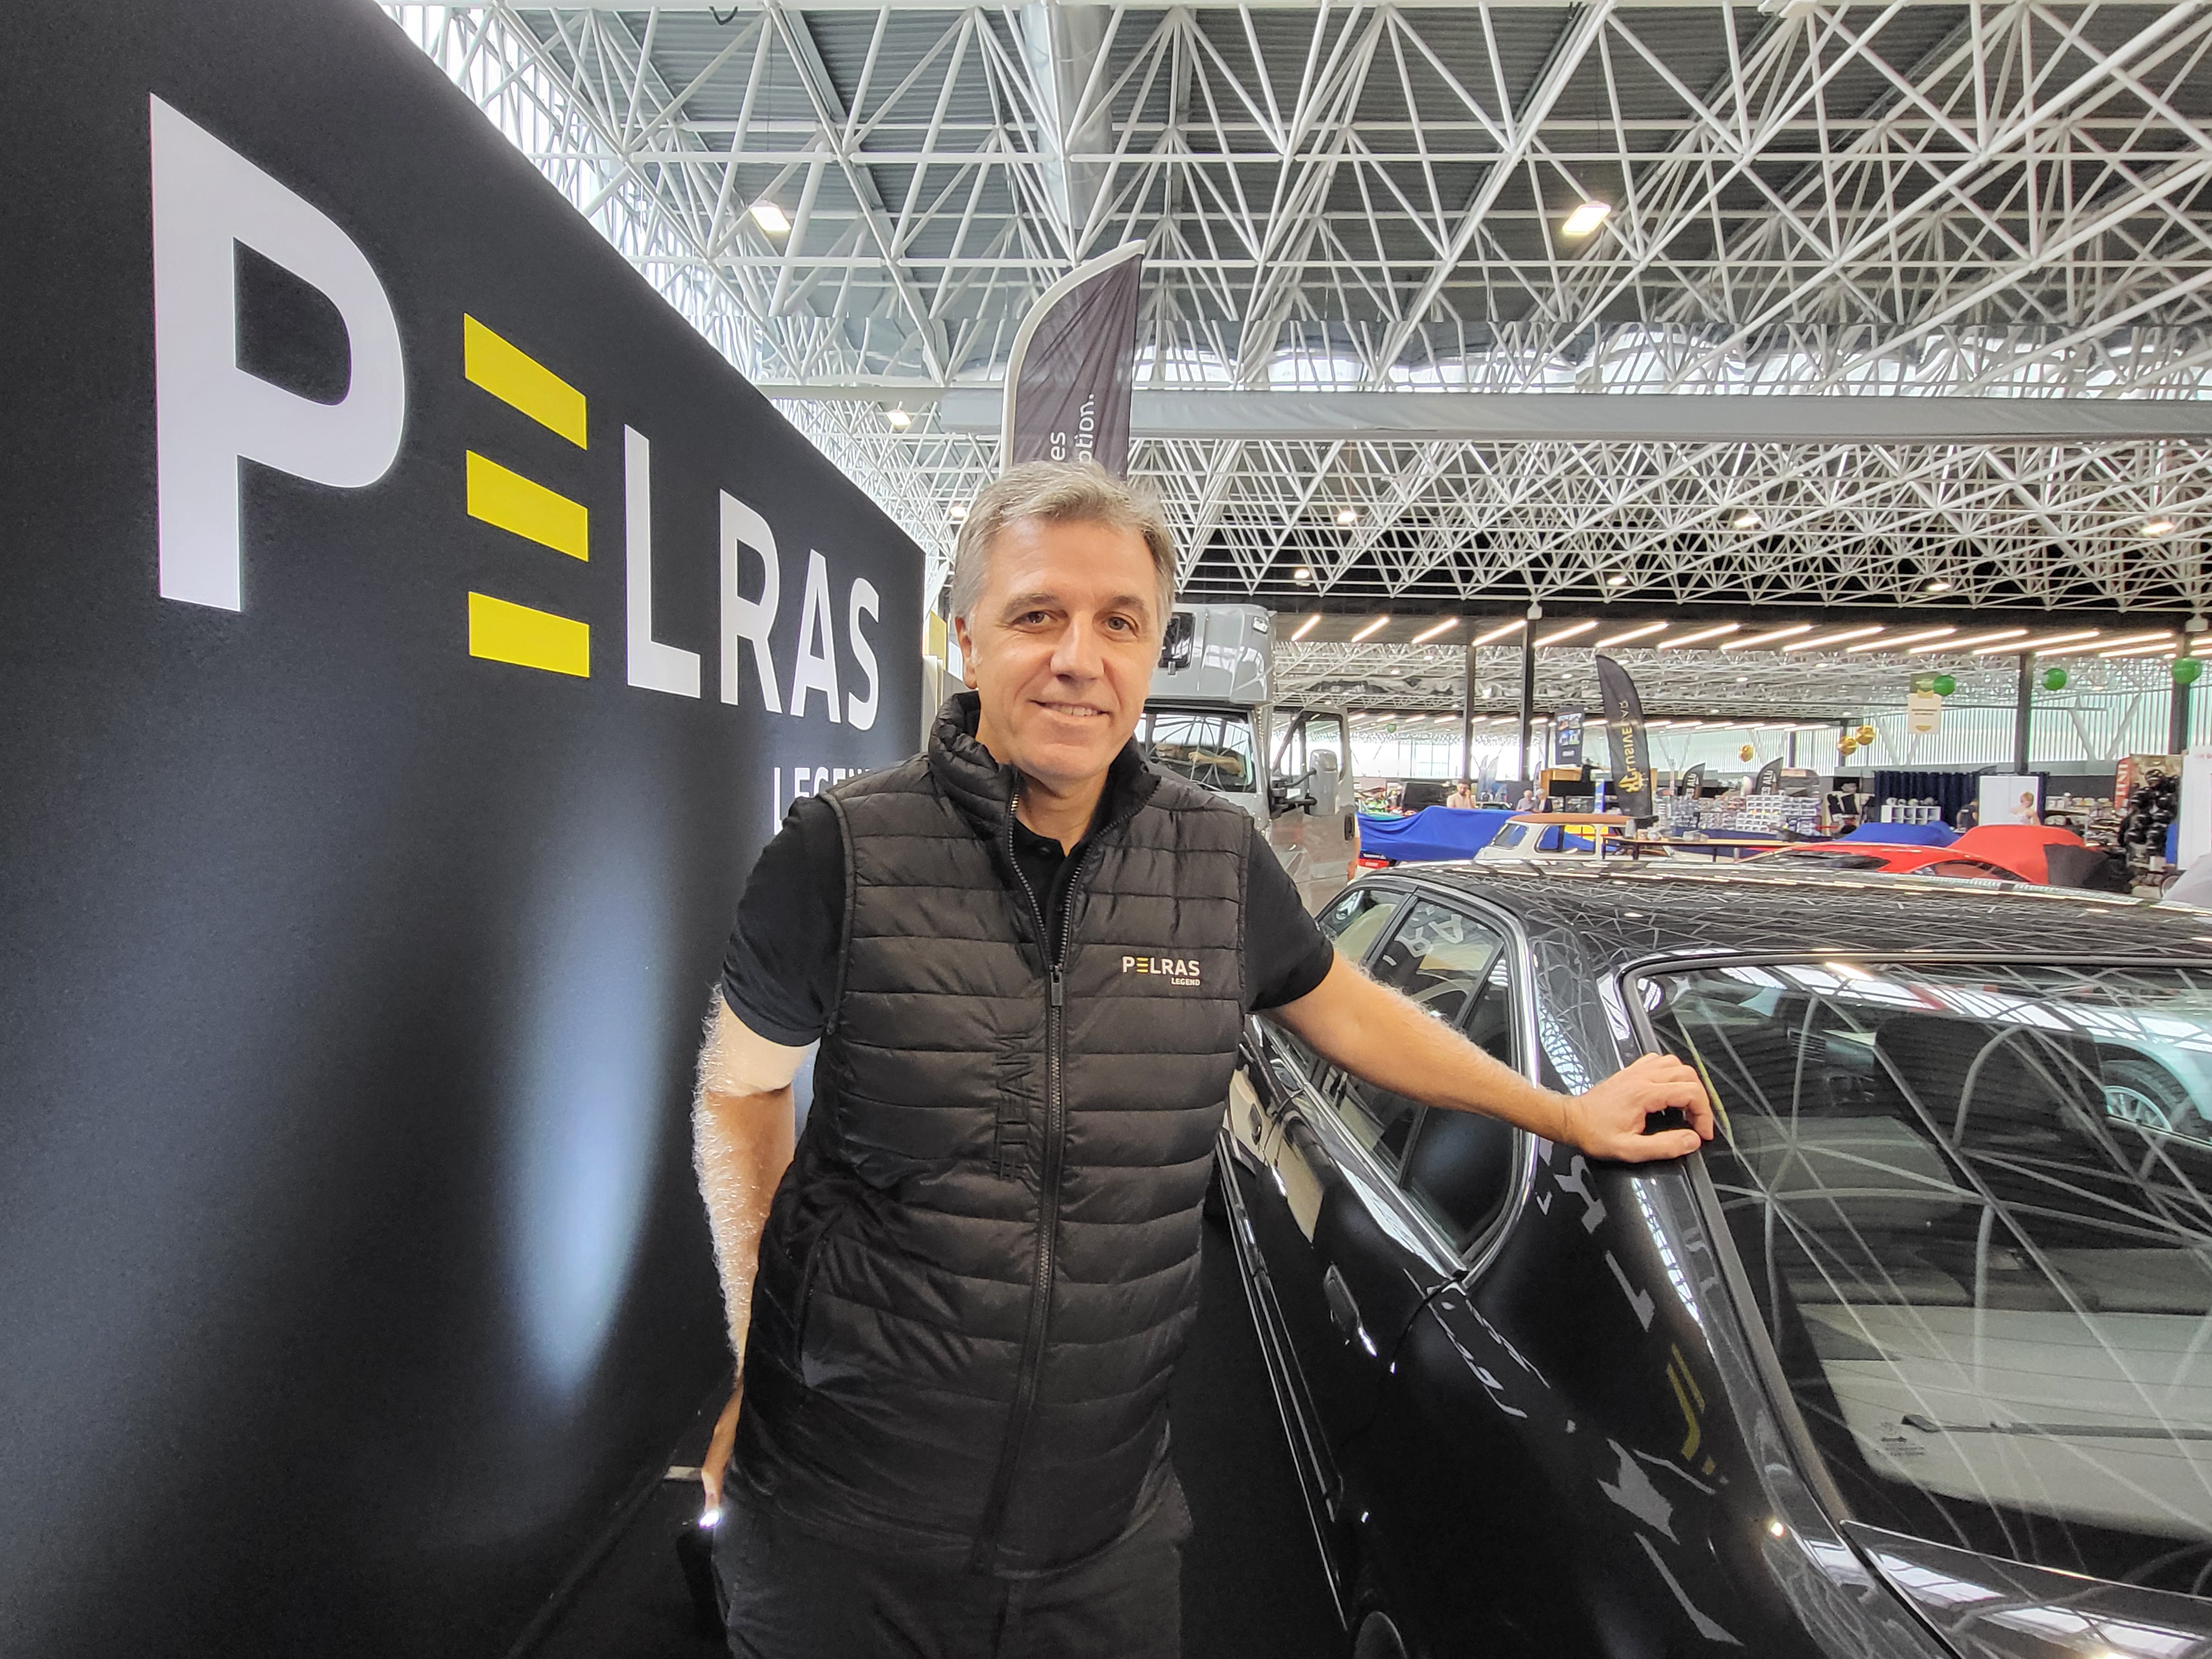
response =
{"points": [[1846, 201]]}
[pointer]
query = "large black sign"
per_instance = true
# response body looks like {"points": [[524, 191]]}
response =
{"points": [[413, 631]]}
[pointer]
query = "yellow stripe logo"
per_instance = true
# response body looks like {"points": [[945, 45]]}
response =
{"points": [[515, 378], [529, 639], [514, 502]]}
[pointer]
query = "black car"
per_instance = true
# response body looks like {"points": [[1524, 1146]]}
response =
{"points": [[1914, 1359]]}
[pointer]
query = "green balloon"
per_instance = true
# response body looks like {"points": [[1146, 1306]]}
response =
{"points": [[2054, 679], [2185, 671], [1943, 685]]}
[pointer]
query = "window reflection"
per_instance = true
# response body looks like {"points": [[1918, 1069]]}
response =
{"points": [[1972, 1206]]}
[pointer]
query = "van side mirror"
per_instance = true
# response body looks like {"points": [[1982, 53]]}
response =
{"points": [[1325, 782]]}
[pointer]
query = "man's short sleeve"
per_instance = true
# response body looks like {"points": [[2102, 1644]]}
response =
{"points": [[1286, 955], [780, 972]]}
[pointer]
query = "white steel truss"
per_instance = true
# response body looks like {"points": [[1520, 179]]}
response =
{"points": [[2004, 198], [1820, 684]]}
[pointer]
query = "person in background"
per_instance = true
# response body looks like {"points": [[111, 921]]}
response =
{"points": [[1968, 816], [1460, 796], [1528, 801]]}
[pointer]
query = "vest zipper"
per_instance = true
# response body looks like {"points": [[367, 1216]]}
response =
{"points": [[1048, 1237]]}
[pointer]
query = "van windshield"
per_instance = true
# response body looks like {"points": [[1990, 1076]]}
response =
{"points": [[1972, 1204], [1214, 749]]}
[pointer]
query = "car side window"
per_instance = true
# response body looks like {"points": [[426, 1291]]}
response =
{"points": [[1352, 924], [1442, 959], [1358, 918]]}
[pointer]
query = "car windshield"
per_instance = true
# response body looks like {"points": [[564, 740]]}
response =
{"points": [[1971, 1204], [1212, 750]]}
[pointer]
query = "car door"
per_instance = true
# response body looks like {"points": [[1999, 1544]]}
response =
{"points": [[1399, 1192]]}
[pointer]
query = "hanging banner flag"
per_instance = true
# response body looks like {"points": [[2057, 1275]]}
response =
{"points": [[1074, 365], [1624, 730], [1691, 781], [1769, 779]]}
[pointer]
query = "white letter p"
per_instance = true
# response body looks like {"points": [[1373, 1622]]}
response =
{"points": [[209, 413]]}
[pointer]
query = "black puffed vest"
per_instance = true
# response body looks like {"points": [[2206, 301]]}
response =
{"points": [[976, 1277]]}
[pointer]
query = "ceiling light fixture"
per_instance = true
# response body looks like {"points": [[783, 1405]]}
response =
{"points": [[1308, 626], [1940, 635], [2006, 638], [1500, 631], [1822, 641], [1347, 515], [899, 419], [1747, 519], [1303, 575], [1443, 627], [1938, 586], [1586, 218], [1647, 630], [1713, 633], [1756, 641], [2158, 524], [2033, 646], [770, 217], [1374, 627], [1619, 579], [2153, 636], [1568, 631], [958, 512]]}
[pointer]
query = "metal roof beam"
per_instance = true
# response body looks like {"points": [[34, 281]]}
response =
{"points": [[1602, 417]]}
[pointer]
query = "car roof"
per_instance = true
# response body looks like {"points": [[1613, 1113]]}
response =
{"points": [[1609, 916]]}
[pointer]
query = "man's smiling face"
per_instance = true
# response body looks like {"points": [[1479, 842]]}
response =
{"points": [[1059, 645]]}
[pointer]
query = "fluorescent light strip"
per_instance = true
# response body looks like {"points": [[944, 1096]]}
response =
{"points": [[1821, 642], [1702, 634], [2033, 646], [2004, 634], [1501, 631], [1308, 626], [1375, 626], [1568, 631], [1443, 627], [1633, 634], [1759, 641], [1941, 634]]}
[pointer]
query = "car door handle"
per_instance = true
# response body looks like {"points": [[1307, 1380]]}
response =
{"points": [[1343, 1310]]}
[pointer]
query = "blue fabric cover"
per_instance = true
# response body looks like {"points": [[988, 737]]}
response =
{"points": [[1905, 835], [1432, 833]]}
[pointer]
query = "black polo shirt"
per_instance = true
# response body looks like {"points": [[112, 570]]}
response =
{"points": [[780, 972]]}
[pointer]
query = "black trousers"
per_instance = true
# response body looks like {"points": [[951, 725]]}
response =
{"points": [[788, 1595]]}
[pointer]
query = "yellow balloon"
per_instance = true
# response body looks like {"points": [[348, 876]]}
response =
{"points": [[1849, 744], [1744, 753], [1866, 735]]}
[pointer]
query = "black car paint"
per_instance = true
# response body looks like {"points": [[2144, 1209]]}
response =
{"points": [[1572, 1442]]}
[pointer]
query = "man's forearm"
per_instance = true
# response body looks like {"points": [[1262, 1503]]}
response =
{"points": [[741, 1146], [1385, 1038]]}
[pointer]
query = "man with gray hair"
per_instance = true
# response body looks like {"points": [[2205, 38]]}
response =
{"points": [[1027, 956]]}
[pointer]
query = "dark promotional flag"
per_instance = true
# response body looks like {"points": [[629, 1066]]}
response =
{"points": [[1624, 730], [1074, 362], [1769, 779], [1691, 781]]}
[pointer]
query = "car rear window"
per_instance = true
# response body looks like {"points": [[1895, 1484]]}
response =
{"points": [[1971, 1203]]}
